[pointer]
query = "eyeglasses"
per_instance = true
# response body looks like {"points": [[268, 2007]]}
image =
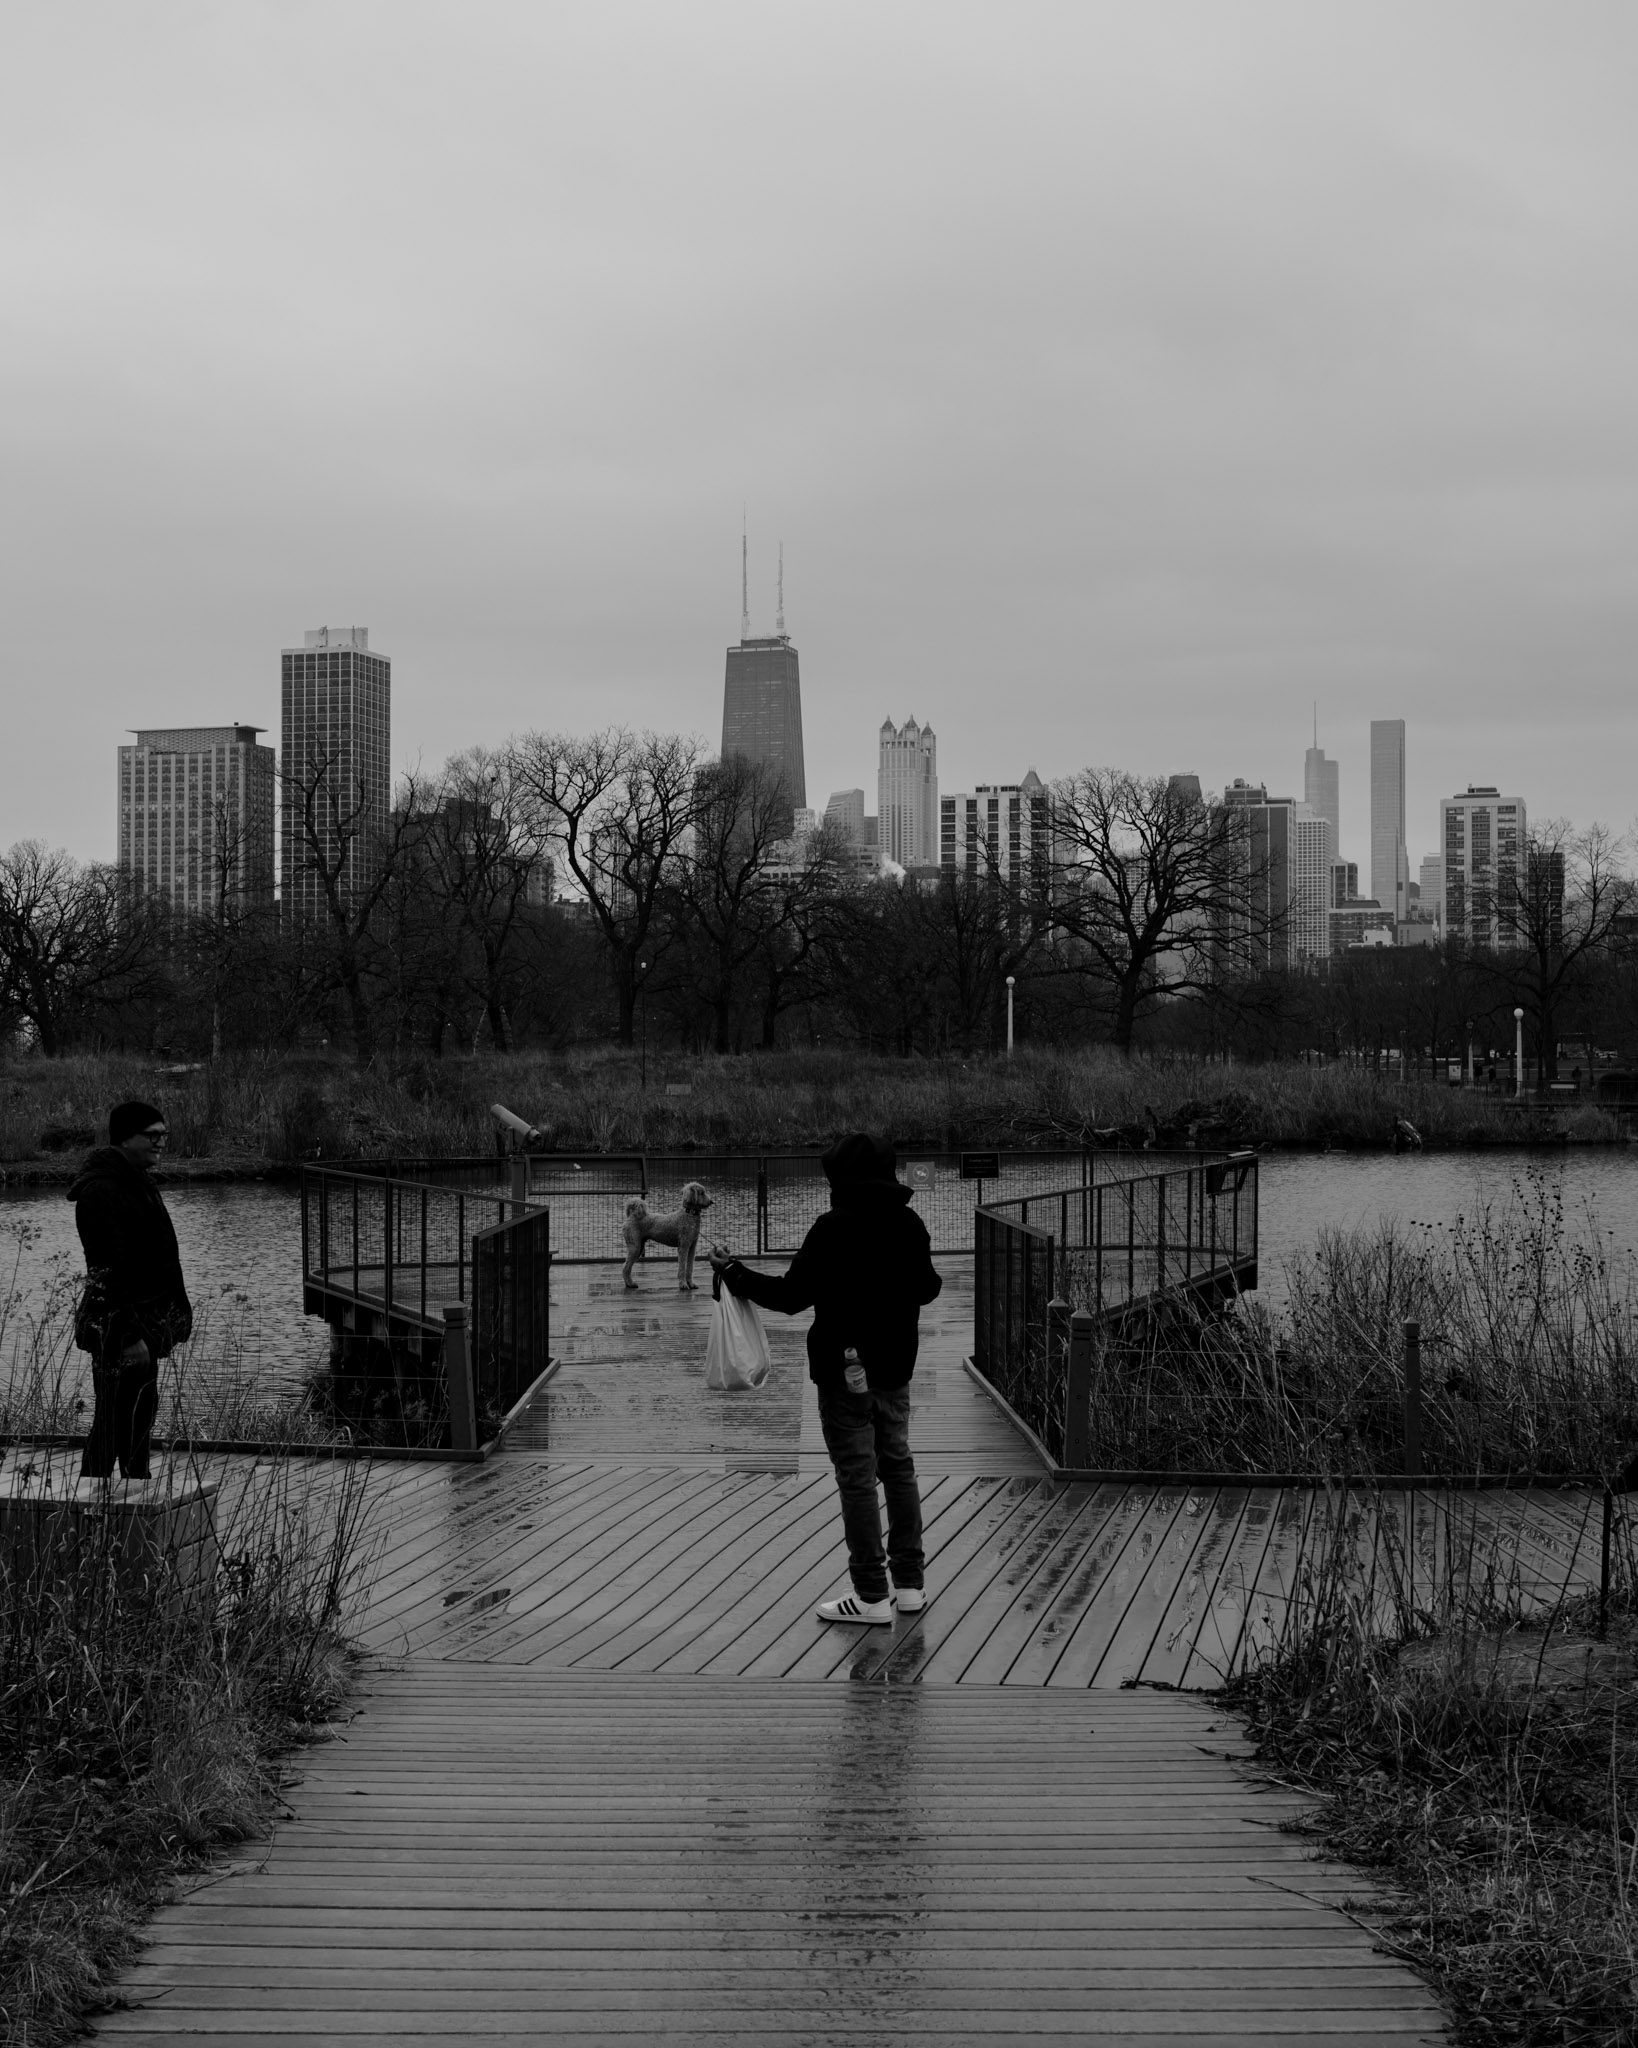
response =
{"points": [[158, 1134]]}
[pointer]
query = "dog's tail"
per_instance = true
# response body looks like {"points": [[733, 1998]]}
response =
{"points": [[636, 1207]]}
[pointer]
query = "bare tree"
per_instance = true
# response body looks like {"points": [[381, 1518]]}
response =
{"points": [[1159, 891], [617, 808], [1565, 902], [485, 841], [352, 856], [732, 904], [73, 940]]}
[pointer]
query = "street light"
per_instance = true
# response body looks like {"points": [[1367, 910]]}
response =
{"points": [[1518, 1055], [1011, 978], [642, 969]]}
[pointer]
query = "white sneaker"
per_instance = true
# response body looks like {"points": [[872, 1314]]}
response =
{"points": [[851, 1608], [909, 1599]]}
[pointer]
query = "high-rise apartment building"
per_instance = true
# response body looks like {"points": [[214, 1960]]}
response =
{"points": [[335, 762], [1288, 853], [1312, 840], [1322, 793], [1390, 864], [1482, 837], [846, 812], [196, 817], [762, 712], [907, 794], [1000, 830]]}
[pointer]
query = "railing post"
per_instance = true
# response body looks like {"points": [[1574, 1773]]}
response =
{"points": [[520, 1185], [761, 1206], [1413, 1398], [463, 1408], [1078, 1392]]}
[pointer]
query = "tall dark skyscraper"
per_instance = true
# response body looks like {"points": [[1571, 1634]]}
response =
{"points": [[335, 734], [762, 711]]}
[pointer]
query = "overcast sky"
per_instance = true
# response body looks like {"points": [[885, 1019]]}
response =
{"points": [[1122, 379]]}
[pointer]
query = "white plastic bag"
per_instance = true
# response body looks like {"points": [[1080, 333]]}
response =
{"points": [[736, 1354]]}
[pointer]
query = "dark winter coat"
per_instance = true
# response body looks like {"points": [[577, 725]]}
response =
{"points": [[133, 1269], [865, 1269]]}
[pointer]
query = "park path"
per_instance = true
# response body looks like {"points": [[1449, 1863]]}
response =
{"points": [[601, 1779]]}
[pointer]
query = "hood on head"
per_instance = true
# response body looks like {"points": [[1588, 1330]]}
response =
{"points": [[859, 1158], [99, 1165]]}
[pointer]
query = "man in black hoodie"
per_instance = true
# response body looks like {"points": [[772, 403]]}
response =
{"points": [[135, 1308], [865, 1269]]}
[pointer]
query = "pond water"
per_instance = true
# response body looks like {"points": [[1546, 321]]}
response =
{"points": [[241, 1242]]}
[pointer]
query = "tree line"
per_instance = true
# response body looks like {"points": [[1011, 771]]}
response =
{"points": [[567, 888]]}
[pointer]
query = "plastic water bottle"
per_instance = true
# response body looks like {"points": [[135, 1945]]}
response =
{"points": [[853, 1372]]}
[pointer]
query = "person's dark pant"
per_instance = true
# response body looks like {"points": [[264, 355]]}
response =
{"points": [[127, 1393], [868, 1436]]}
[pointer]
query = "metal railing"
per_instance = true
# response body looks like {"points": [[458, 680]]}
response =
{"points": [[762, 1203], [402, 1251], [1129, 1237]]}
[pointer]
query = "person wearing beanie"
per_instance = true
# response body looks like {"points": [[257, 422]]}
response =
{"points": [[134, 1308], [866, 1270]]}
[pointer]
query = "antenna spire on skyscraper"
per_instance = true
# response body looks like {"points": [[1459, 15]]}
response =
{"points": [[744, 579], [779, 617]]}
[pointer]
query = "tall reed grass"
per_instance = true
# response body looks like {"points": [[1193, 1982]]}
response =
{"points": [[251, 1111], [146, 1695], [1529, 1325], [1473, 1741]]}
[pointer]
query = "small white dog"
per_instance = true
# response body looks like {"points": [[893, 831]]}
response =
{"points": [[681, 1229]]}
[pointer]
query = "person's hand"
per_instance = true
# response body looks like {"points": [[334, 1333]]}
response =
{"points": [[135, 1354], [720, 1257]]}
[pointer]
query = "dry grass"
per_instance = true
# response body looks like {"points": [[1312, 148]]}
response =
{"points": [[254, 1111], [142, 1715], [1530, 1356], [1482, 1763]]}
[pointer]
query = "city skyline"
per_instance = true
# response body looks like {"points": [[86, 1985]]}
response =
{"points": [[1212, 440], [1322, 775]]}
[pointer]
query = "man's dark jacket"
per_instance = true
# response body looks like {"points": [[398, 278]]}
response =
{"points": [[133, 1285], [865, 1269]]}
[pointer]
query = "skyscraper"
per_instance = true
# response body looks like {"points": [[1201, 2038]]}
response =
{"points": [[846, 812], [762, 712], [907, 794], [1390, 864], [1482, 837], [335, 747], [196, 817], [1321, 792]]}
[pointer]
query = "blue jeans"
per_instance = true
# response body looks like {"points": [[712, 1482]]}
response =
{"points": [[868, 1437]]}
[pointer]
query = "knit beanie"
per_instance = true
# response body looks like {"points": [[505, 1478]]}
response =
{"points": [[125, 1119]]}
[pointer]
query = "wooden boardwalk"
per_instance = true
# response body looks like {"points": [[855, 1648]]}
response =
{"points": [[603, 1780]]}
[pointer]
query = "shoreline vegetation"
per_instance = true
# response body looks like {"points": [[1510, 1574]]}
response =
{"points": [[254, 1115], [147, 1700], [1477, 1762]]}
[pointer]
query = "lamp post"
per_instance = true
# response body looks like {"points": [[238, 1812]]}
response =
{"points": [[1470, 1052], [642, 969], [1518, 1055], [1011, 978]]}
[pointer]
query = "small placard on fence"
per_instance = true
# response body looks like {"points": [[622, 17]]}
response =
{"points": [[981, 1166], [679, 1087], [919, 1173]]}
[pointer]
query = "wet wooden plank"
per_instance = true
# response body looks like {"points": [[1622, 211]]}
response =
{"points": [[768, 1861]]}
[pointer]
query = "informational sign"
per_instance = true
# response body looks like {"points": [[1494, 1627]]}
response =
{"points": [[981, 1166], [919, 1173]]}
